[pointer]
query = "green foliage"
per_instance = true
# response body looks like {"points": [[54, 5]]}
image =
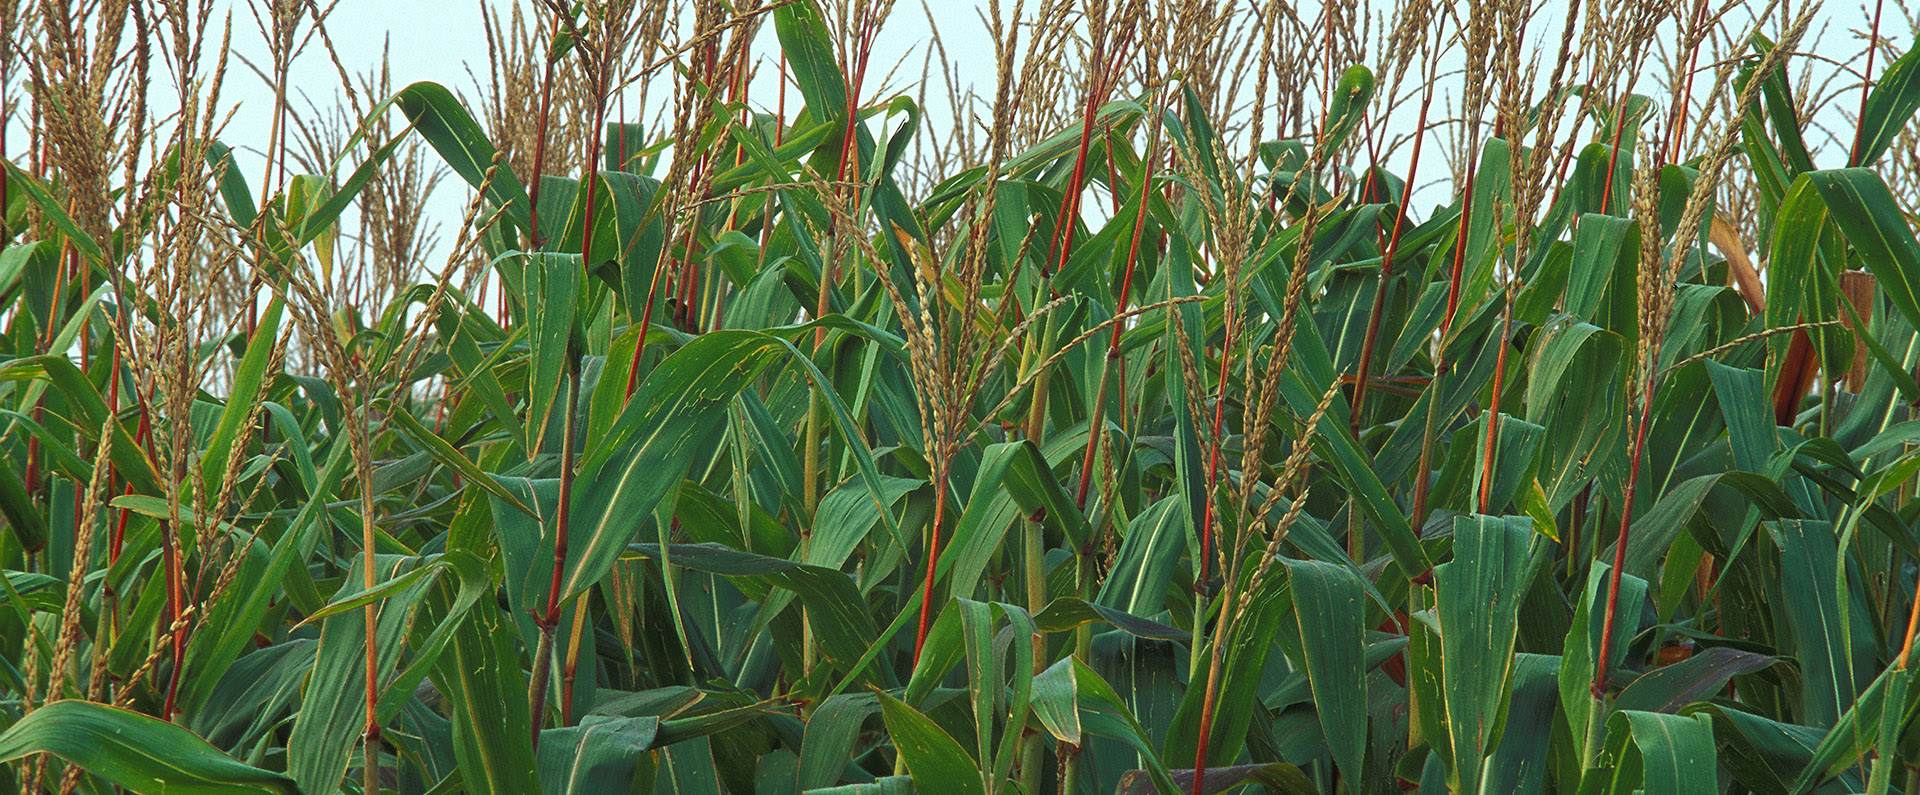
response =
{"points": [[746, 478]]}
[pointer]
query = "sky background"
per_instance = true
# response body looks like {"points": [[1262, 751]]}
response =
{"points": [[442, 40]]}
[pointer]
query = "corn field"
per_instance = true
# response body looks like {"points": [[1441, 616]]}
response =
{"points": [[1179, 397]]}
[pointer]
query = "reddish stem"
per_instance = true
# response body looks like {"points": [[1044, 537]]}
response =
{"points": [[176, 603], [1421, 484], [543, 658], [1070, 197], [1599, 687], [1104, 71], [933, 559], [1493, 408], [591, 174], [1679, 112], [1613, 157], [1860, 131], [1386, 271], [1113, 344], [855, 83], [1206, 724], [1213, 456]]}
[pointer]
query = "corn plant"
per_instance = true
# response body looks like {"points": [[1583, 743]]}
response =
{"points": [[1162, 426]]}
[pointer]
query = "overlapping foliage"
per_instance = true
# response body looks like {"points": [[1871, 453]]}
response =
{"points": [[765, 468]]}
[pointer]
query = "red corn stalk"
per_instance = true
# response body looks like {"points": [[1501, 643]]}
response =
{"points": [[1113, 344], [1368, 343], [855, 83], [1493, 411], [590, 172], [1678, 120], [543, 660], [1858, 151], [933, 556], [539, 162], [1420, 483], [1599, 686]]}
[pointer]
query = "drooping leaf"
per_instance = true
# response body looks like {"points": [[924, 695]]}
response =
{"points": [[139, 752]]}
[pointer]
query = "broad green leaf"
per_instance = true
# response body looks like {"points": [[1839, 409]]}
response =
{"points": [[1866, 210], [600, 754], [676, 414], [483, 682], [1834, 652], [139, 752], [1676, 753], [1889, 109], [249, 378], [452, 132], [830, 737], [1137, 583], [550, 288], [1519, 760], [937, 763], [1067, 613], [1101, 712], [1479, 595], [1329, 603], [333, 708], [1694, 679]]}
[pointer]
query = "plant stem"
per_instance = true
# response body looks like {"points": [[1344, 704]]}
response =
{"points": [[589, 171], [1422, 480], [933, 554], [1613, 153], [1033, 746], [1599, 687], [1217, 442], [1095, 419], [1493, 405], [539, 157], [1677, 122], [568, 673], [543, 660], [370, 769], [1866, 86], [174, 559], [810, 488], [1372, 337], [1215, 659]]}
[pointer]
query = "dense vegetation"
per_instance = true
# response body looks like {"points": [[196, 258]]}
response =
{"points": [[1139, 430]]}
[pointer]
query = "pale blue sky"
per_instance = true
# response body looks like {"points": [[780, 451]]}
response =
{"points": [[438, 40]]}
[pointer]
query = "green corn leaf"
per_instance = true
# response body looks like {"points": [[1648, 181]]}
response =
{"points": [[1329, 604], [936, 762], [452, 132], [142, 753], [1479, 600]]}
